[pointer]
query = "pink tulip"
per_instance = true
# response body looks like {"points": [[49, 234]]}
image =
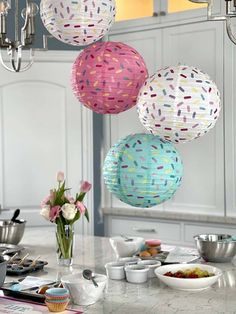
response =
{"points": [[85, 186], [80, 206], [45, 201], [60, 176], [54, 213], [70, 199]]}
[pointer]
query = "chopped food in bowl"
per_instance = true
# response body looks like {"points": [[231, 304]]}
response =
{"points": [[188, 277], [189, 273]]}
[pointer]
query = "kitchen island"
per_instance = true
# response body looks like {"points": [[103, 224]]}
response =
{"points": [[122, 297]]}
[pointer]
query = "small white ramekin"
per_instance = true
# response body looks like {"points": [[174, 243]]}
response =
{"points": [[152, 264], [136, 273], [115, 270], [129, 260]]}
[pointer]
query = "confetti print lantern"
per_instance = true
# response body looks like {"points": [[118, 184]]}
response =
{"points": [[179, 104], [107, 77], [80, 22], [142, 170]]}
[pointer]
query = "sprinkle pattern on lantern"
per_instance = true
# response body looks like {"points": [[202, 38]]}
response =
{"points": [[179, 104], [78, 22], [143, 170], [107, 77]]}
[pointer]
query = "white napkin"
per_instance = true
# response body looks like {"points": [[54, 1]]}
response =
{"points": [[181, 255], [30, 282]]}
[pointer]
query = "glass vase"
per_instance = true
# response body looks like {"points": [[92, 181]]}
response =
{"points": [[64, 244]]}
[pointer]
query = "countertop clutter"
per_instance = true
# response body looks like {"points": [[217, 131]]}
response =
{"points": [[121, 296]]}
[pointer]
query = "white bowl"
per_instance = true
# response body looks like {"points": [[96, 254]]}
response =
{"points": [[83, 291], [125, 248], [152, 264], [136, 273], [115, 270], [188, 283]]}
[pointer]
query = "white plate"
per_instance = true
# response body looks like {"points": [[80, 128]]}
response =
{"points": [[189, 284]]}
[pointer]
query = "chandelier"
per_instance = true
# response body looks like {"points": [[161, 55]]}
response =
{"points": [[24, 38], [229, 13], [77, 23]]}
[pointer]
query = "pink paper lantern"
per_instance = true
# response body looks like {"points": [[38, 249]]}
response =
{"points": [[107, 77]]}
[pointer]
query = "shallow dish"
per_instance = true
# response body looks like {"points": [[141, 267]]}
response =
{"points": [[188, 284]]}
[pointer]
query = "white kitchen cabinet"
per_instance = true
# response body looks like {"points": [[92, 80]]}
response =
{"points": [[170, 232], [202, 190], [43, 129]]}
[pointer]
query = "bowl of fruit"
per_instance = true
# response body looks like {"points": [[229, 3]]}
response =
{"points": [[189, 277]]}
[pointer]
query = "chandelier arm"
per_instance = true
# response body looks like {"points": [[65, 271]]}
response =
{"points": [[3, 63], [24, 28], [229, 31]]}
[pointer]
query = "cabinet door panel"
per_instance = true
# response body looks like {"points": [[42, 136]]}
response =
{"points": [[166, 231], [202, 190]]}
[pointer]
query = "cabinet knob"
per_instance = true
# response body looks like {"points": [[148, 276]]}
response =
{"points": [[145, 230], [161, 13]]}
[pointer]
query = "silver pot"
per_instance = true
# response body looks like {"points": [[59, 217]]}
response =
{"points": [[217, 248], [11, 232], [3, 270]]}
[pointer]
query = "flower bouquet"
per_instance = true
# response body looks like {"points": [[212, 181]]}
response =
{"points": [[63, 210]]}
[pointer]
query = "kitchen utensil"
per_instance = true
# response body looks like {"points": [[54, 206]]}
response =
{"points": [[215, 247], [136, 273], [11, 232], [126, 238], [115, 270], [17, 268], [89, 275], [124, 248], [82, 291], [15, 215], [190, 284], [3, 270], [9, 249]]}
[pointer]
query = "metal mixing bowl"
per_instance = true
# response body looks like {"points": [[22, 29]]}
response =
{"points": [[11, 232], [217, 248]]}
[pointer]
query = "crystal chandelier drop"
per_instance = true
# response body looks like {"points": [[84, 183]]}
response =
{"points": [[230, 12], [24, 37]]}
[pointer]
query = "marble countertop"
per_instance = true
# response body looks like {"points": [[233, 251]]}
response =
{"points": [[122, 297]]}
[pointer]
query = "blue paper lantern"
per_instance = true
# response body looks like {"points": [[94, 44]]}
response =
{"points": [[143, 170]]}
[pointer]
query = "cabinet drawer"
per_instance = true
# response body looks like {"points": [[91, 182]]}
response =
{"points": [[191, 230], [146, 229]]}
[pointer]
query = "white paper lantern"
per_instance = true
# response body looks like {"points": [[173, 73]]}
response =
{"points": [[179, 104], [78, 22]]}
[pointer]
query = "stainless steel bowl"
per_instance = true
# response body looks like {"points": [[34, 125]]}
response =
{"points": [[217, 248], [11, 232], [3, 270]]}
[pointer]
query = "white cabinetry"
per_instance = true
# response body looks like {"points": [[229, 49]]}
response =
{"points": [[43, 130], [209, 182]]}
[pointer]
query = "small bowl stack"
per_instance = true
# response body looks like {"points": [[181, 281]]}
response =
{"points": [[57, 299]]}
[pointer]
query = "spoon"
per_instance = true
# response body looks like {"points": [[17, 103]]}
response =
{"points": [[88, 274], [126, 238], [15, 215]]}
